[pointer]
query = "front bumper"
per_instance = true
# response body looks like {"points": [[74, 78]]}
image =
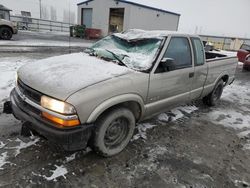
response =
{"points": [[70, 139]]}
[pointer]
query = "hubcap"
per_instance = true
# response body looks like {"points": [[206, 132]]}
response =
{"points": [[116, 132]]}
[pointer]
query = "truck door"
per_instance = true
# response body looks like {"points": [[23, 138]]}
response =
{"points": [[200, 68], [171, 84]]}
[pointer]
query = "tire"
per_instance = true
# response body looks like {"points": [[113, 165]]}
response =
{"points": [[213, 98], [113, 132], [5, 33]]}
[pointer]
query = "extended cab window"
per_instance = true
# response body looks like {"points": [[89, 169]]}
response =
{"points": [[179, 50], [199, 57]]}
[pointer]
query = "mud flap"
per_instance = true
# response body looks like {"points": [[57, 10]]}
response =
{"points": [[7, 108]]}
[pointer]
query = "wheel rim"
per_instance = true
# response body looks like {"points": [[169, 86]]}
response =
{"points": [[116, 132], [5, 34], [217, 93]]}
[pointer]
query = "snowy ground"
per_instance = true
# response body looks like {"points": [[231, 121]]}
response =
{"points": [[197, 147], [28, 39]]}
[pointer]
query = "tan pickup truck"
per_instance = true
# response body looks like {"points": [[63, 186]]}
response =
{"points": [[96, 98], [7, 29]]}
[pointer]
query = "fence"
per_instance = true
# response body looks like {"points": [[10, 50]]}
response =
{"points": [[34, 24], [226, 43]]}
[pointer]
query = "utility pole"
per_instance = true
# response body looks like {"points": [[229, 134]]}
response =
{"points": [[40, 5]]}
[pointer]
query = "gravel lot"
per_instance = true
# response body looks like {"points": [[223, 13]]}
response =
{"points": [[198, 147]]}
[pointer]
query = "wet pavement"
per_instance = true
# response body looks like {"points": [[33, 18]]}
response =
{"points": [[199, 147]]}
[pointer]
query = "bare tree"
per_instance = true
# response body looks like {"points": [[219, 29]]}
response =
{"points": [[44, 12], [53, 14], [69, 16]]}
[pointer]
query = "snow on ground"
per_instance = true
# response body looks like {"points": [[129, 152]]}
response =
{"points": [[238, 119], [3, 160], [174, 115], [59, 171], [8, 68], [23, 145], [42, 43]]}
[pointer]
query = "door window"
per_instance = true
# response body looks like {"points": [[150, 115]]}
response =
{"points": [[199, 58], [179, 50]]}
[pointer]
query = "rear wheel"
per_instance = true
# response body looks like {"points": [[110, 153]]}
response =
{"points": [[114, 131], [213, 98], [5, 33]]}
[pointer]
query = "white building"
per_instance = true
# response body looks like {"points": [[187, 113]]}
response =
{"points": [[118, 15]]}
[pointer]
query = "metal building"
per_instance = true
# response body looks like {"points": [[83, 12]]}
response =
{"points": [[119, 15]]}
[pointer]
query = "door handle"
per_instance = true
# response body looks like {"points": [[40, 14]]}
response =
{"points": [[191, 74]]}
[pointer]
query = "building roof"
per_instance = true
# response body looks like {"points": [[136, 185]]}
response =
{"points": [[142, 4], [4, 8]]}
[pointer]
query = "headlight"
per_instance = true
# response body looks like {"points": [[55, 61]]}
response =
{"points": [[57, 106]]}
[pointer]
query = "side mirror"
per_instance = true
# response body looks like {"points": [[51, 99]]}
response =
{"points": [[168, 64]]}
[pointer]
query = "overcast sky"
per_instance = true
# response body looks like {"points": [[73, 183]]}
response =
{"points": [[211, 17]]}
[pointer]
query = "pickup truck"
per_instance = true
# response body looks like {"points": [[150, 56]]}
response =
{"points": [[95, 98], [244, 56], [7, 29]]}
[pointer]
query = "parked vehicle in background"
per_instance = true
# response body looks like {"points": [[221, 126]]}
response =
{"points": [[7, 29], [95, 98], [244, 56]]}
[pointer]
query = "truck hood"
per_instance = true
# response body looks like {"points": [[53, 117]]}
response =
{"points": [[61, 76]]}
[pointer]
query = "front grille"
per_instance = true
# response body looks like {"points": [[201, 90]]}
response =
{"points": [[32, 94], [25, 106]]}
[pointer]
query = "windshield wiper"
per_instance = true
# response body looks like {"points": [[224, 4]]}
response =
{"points": [[117, 58]]}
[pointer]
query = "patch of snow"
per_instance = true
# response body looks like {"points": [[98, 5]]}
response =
{"points": [[188, 108], [177, 113], [2, 145], [70, 158], [247, 146], [164, 117], [60, 171], [3, 160], [237, 93], [8, 67], [142, 131], [23, 145], [244, 134], [230, 118], [241, 183]]}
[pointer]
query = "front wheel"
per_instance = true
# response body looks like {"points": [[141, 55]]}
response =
{"points": [[114, 131], [5, 33], [213, 98]]}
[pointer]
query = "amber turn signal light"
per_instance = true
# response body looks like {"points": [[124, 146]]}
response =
{"points": [[61, 122]]}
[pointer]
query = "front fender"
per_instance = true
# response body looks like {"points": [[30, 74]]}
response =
{"points": [[115, 101]]}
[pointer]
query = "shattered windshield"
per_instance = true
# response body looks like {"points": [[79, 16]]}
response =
{"points": [[138, 54]]}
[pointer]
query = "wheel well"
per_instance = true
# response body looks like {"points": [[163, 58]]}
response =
{"points": [[2, 26], [131, 105], [225, 79]]}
